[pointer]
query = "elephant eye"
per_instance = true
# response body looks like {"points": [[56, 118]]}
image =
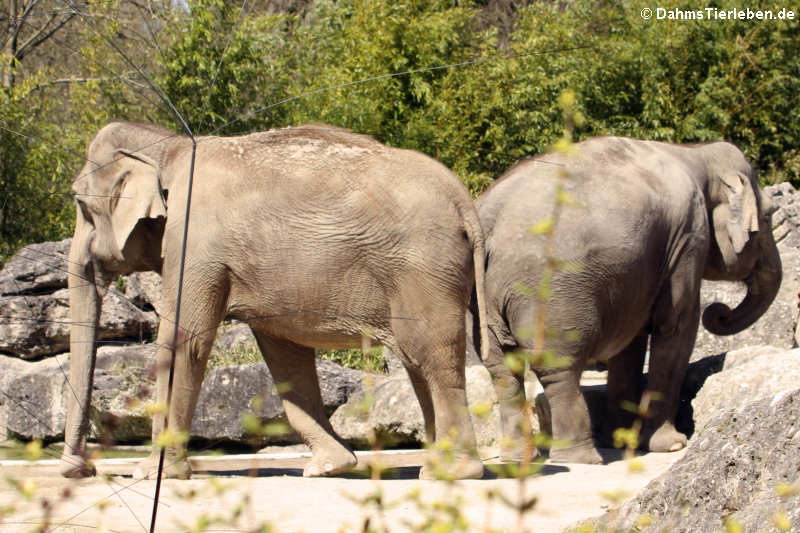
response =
{"points": [[86, 212], [117, 190]]}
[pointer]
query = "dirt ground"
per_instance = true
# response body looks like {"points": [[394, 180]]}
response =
{"points": [[277, 494]]}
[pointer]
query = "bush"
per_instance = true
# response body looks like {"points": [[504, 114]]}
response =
{"points": [[37, 162]]}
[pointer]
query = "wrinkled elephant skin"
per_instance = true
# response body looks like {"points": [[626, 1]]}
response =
{"points": [[638, 224], [314, 236]]}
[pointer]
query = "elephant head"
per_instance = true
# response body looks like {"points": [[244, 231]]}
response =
{"points": [[743, 248], [120, 215]]}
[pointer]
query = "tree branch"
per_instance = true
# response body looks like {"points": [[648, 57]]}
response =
{"points": [[39, 37]]}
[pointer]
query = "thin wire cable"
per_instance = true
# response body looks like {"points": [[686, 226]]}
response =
{"points": [[162, 452], [398, 74]]}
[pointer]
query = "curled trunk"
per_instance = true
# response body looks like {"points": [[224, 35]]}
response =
{"points": [[762, 287]]}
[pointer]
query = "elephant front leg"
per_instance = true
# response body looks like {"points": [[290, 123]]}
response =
{"points": [[175, 412], [676, 318], [293, 367]]}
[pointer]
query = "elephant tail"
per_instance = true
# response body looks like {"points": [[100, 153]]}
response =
{"points": [[474, 232]]}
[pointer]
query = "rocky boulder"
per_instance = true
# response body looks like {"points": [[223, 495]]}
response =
{"points": [[35, 302], [34, 406], [237, 338], [741, 468], [744, 379], [35, 269], [31, 406], [143, 289], [232, 391], [124, 385], [388, 412], [34, 326]]}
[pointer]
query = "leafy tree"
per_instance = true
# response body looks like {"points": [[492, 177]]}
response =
{"points": [[37, 159], [221, 66], [77, 76], [230, 70], [353, 40]]}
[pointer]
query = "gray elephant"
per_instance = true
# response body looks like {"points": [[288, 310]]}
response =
{"points": [[640, 224], [315, 236]]}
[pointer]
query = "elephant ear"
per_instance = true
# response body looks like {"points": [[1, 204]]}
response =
{"points": [[137, 196], [736, 219]]}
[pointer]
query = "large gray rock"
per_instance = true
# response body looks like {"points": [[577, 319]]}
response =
{"points": [[696, 376], [31, 406], [232, 391], [33, 326], [760, 376], [36, 394], [124, 385], [238, 337], [731, 471], [388, 412], [777, 326], [34, 299], [143, 289], [35, 269]]}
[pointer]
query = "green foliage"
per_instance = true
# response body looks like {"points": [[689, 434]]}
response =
{"points": [[240, 355], [363, 39], [220, 66], [37, 159], [679, 81], [232, 70], [369, 361]]}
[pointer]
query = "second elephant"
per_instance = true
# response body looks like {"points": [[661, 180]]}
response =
{"points": [[635, 226]]}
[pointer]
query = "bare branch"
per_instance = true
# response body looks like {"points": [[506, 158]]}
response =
{"points": [[39, 37]]}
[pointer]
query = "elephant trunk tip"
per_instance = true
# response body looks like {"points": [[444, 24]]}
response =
{"points": [[762, 288], [718, 319]]}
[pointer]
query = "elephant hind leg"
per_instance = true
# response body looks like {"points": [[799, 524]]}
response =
{"points": [[570, 419], [293, 367], [433, 349], [624, 385], [510, 390], [425, 399], [570, 422]]}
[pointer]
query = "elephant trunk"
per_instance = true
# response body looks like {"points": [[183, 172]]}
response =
{"points": [[762, 287], [85, 303]]}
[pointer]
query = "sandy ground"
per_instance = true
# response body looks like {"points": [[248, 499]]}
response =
{"points": [[280, 496]]}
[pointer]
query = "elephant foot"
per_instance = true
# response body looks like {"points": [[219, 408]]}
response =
{"points": [[452, 468], [515, 453], [666, 439], [329, 463], [175, 467], [585, 453], [76, 466]]}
